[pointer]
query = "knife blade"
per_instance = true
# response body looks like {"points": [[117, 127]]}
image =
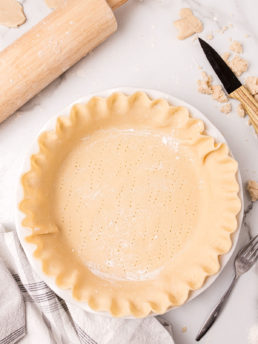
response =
{"points": [[225, 74], [231, 83]]}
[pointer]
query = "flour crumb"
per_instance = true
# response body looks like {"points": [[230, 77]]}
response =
{"points": [[210, 37], [218, 94], [195, 38], [204, 85], [188, 24], [252, 188], [225, 28], [226, 108], [238, 65], [226, 56], [184, 329], [251, 84], [240, 110], [236, 47]]}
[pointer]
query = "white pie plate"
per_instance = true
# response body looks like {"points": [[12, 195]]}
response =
{"points": [[50, 125]]}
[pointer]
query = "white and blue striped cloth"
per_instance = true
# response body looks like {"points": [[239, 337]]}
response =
{"points": [[32, 313]]}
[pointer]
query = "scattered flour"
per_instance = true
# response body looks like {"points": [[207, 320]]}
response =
{"points": [[140, 275], [210, 37], [188, 24], [225, 28]]}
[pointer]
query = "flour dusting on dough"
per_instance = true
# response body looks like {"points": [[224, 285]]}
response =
{"points": [[139, 275], [11, 13]]}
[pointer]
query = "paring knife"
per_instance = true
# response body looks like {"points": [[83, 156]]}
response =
{"points": [[231, 83]]}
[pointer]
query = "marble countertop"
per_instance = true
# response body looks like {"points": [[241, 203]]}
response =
{"points": [[145, 53]]}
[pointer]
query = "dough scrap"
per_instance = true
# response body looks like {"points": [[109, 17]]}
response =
{"points": [[226, 108], [216, 91], [252, 84], [204, 85], [240, 110], [236, 47], [226, 56], [238, 65], [252, 188], [55, 3], [11, 13], [188, 24], [218, 94]]}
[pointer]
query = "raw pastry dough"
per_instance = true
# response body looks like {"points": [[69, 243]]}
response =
{"points": [[226, 108], [11, 13], [130, 204], [236, 47], [205, 84], [238, 65], [188, 24], [55, 3], [218, 94]]}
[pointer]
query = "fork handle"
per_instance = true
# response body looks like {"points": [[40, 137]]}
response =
{"points": [[216, 312]]}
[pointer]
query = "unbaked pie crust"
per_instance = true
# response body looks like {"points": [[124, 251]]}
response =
{"points": [[130, 204]]}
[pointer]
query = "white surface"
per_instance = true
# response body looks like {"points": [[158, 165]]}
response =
{"points": [[145, 53], [23, 232]]}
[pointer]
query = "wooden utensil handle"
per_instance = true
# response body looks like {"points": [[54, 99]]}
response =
{"points": [[50, 48], [249, 103]]}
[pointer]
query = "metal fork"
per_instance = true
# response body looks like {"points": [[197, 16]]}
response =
{"points": [[244, 260]]}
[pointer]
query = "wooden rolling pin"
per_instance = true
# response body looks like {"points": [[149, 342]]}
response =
{"points": [[51, 47]]}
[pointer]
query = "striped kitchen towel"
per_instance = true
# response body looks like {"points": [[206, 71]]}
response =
{"points": [[30, 312]]}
